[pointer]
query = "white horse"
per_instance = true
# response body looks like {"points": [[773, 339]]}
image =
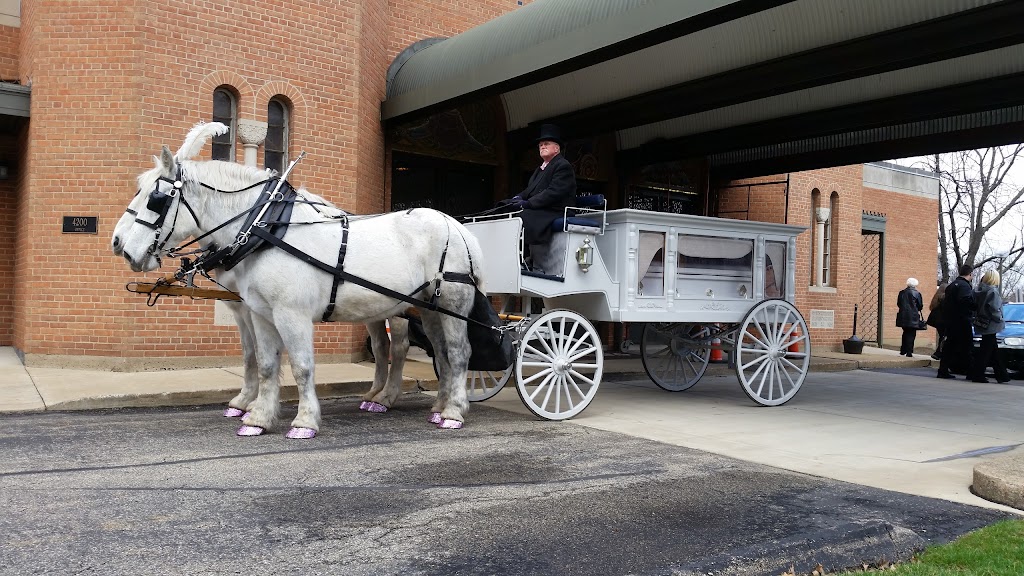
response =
{"points": [[284, 295], [387, 378]]}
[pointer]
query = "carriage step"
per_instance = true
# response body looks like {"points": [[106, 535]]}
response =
{"points": [[544, 276]]}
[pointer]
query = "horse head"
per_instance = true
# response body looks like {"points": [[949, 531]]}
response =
{"points": [[144, 223], [153, 220]]}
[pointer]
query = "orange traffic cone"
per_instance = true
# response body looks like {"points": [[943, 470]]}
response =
{"points": [[795, 346], [716, 350]]}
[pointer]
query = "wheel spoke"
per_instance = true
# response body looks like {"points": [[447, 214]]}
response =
{"points": [[582, 377], [761, 358], [547, 371], [542, 386], [579, 355], [747, 333]]}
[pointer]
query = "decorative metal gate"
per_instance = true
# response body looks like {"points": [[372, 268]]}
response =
{"points": [[870, 297]]}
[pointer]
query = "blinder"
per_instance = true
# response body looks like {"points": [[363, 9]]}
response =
{"points": [[159, 202]]}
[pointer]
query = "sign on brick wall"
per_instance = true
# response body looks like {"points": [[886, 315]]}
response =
{"points": [[823, 318], [79, 225]]}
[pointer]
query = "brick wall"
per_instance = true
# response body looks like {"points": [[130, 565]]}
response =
{"points": [[114, 80], [768, 203], [911, 245], [10, 38]]}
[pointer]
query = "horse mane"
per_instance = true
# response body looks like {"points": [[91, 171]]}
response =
{"points": [[197, 138]]}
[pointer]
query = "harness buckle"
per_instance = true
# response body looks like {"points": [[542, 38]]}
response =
{"points": [[260, 224], [242, 239]]}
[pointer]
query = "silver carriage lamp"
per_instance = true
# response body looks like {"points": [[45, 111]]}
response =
{"points": [[585, 255]]}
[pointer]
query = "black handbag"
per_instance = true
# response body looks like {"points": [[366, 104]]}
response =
{"points": [[919, 323], [982, 322]]}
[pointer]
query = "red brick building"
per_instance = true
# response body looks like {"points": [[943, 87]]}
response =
{"points": [[103, 84]]}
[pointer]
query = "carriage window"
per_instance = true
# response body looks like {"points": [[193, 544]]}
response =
{"points": [[724, 257], [775, 270], [225, 111], [651, 262], [276, 147]]}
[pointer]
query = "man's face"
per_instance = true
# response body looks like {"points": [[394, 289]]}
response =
{"points": [[548, 149]]}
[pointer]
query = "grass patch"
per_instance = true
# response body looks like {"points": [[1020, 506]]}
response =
{"points": [[996, 550]]}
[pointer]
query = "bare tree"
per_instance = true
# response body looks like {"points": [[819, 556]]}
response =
{"points": [[980, 219]]}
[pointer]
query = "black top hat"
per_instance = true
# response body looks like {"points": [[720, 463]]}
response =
{"points": [[550, 132]]}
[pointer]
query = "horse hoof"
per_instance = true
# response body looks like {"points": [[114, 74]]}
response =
{"points": [[230, 412], [376, 408], [435, 418], [364, 404], [301, 433], [449, 424], [247, 430]]}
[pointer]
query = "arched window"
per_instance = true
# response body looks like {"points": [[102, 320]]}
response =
{"points": [[815, 204], [275, 151], [225, 111], [827, 271]]}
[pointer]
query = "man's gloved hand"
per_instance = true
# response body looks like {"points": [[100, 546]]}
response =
{"points": [[521, 204]]}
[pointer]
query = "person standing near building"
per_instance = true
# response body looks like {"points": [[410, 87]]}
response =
{"points": [[987, 322], [910, 304], [957, 313], [935, 318]]}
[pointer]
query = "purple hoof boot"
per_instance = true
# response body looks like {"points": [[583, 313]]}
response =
{"points": [[435, 418], [364, 404], [448, 424], [376, 408], [301, 433], [247, 430], [230, 412]]}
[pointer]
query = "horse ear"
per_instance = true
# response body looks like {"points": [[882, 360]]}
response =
{"points": [[167, 160]]}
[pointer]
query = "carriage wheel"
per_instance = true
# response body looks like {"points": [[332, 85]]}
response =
{"points": [[675, 356], [772, 352], [484, 384], [559, 364], [481, 385]]}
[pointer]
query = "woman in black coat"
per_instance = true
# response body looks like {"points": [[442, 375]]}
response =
{"points": [[935, 319], [910, 305]]}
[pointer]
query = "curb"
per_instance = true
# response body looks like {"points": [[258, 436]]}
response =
{"points": [[1000, 481]]}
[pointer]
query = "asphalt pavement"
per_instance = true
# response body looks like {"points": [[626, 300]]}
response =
{"points": [[165, 491], [137, 473]]}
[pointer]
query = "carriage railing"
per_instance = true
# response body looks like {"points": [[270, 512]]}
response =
{"points": [[587, 207]]}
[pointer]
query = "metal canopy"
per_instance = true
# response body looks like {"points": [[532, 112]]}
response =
{"points": [[754, 85], [14, 99]]}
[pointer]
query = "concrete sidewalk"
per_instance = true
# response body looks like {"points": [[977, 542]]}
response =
{"points": [[910, 435]]}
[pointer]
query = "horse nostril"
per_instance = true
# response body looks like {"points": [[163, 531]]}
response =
{"points": [[128, 257], [117, 241]]}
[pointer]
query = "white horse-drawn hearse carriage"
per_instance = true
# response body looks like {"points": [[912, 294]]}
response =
{"points": [[698, 285]]}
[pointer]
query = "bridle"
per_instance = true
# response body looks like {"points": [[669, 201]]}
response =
{"points": [[160, 202]]}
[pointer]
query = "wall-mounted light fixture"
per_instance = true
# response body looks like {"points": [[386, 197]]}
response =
{"points": [[4, 173]]}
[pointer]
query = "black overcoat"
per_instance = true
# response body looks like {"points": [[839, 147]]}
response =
{"points": [[958, 306], [910, 304], [547, 195]]}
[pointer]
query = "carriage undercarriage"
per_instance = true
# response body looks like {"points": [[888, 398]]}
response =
{"points": [[688, 314]]}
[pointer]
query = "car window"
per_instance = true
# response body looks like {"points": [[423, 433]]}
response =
{"points": [[1013, 312]]}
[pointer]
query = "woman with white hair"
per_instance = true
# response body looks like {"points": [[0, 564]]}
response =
{"points": [[988, 321], [910, 305]]}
